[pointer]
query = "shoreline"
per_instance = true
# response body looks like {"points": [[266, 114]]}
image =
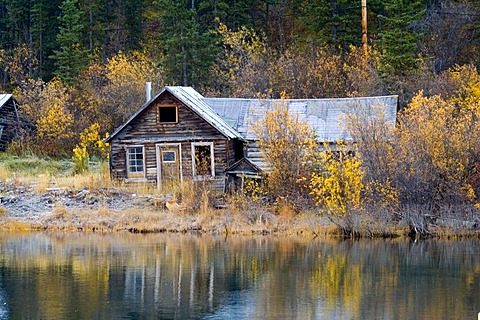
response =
{"points": [[112, 210], [115, 210]]}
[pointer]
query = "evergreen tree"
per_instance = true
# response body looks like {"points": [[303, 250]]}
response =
{"points": [[188, 52], [44, 31], [18, 22], [240, 13], [337, 23], [71, 57], [400, 35], [211, 12]]}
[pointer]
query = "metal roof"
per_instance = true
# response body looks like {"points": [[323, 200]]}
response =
{"points": [[4, 98], [235, 117], [325, 116], [195, 101]]}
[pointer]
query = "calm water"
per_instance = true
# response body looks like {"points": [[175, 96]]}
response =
{"points": [[78, 276]]}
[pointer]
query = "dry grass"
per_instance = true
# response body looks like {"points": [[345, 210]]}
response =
{"points": [[5, 173], [59, 212], [103, 212], [286, 211], [220, 222], [3, 210], [43, 183], [10, 224], [197, 200]]}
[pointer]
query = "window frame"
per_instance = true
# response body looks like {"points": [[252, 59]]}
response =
{"points": [[159, 107], [212, 160], [135, 175]]}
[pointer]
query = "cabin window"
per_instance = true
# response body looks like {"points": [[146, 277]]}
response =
{"points": [[167, 114], [135, 162], [203, 159], [169, 156]]}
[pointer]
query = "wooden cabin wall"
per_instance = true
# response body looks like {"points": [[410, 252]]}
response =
{"points": [[190, 127], [118, 168], [118, 159], [145, 130], [255, 155]]}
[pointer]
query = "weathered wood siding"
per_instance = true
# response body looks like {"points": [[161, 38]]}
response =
{"points": [[146, 131], [255, 155], [9, 123]]}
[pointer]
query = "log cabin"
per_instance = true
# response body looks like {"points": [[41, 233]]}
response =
{"points": [[180, 134]]}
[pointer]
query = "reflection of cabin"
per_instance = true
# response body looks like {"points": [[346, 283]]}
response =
{"points": [[180, 134], [10, 122]]}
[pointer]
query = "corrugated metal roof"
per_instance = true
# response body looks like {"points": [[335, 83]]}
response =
{"points": [[194, 101], [323, 115], [235, 117], [4, 98]]}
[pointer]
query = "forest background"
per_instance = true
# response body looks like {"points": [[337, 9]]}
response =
{"points": [[79, 67], [74, 63]]}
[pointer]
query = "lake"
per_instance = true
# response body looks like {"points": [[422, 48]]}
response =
{"points": [[170, 276]]}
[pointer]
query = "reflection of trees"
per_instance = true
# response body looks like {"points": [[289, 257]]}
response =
{"points": [[168, 276]]}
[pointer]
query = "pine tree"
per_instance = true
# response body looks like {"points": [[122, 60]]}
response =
{"points": [[71, 57], [336, 23], [17, 21]]}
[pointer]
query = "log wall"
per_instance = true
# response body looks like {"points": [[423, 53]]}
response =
{"points": [[145, 130]]}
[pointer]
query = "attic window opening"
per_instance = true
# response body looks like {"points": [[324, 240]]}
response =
{"points": [[167, 114]]}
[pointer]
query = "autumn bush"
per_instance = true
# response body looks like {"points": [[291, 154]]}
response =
{"points": [[288, 145], [427, 167], [304, 173]]}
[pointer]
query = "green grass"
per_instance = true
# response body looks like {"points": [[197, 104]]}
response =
{"points": [[34, 166]]}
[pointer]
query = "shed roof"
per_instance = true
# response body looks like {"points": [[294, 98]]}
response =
{"points": [[195, 101], [4, 97], [325, 116]]}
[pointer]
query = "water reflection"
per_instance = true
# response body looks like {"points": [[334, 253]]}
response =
{"points": [[78, 276]]}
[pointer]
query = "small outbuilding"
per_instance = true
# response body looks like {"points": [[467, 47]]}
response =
{"points": [[180, 134], [11, 123]]}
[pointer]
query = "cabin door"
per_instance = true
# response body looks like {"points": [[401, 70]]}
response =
{"points": [[169, 164]]}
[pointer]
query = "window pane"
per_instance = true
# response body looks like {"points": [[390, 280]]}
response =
{"points": [[169, 156], [135, 162]]}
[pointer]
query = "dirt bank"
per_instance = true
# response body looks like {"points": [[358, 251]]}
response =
{"points": [[118, 210]]}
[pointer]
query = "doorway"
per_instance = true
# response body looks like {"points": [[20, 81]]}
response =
{"points": [[169, 164]]}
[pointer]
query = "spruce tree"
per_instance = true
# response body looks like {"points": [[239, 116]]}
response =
{"points": [[44, 31], [400, 35], [188, 51], [71, 57]]}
